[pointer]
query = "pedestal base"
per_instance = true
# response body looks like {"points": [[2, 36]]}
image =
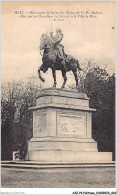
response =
{"points": [[52, 150], [59, 143], [66, 156]]}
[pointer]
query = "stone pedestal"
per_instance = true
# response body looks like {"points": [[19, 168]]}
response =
{"points": [[62, 129]]}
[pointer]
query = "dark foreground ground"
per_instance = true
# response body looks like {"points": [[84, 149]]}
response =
{"points": [[58, 178]]}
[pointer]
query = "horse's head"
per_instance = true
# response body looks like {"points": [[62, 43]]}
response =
{"points": [[45, 42]]}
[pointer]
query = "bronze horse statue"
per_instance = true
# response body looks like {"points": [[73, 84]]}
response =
{"points": [[50, 60]]}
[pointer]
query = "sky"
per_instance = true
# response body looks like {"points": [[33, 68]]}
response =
{"points": [[84, 37]]}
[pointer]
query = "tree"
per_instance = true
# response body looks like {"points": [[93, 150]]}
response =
{"points": [[100, 88], [16, 128]]}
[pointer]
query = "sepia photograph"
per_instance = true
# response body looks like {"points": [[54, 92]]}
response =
{"points": [[58, 96]]}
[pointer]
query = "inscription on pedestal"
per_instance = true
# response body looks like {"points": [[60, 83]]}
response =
{"points": [[39, 124], [70, 125]]}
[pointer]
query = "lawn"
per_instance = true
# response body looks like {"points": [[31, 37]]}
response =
{"points": [[58, 178]]}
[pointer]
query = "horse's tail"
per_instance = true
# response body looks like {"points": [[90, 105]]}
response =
{"points": [[78, 65]]}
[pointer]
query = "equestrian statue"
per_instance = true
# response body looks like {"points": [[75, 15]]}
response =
{"points": [[55, 58]]}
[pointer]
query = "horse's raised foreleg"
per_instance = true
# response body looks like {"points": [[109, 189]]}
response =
{"points": [[65, 78], [54, 76], [76, 78], [39, 74]]}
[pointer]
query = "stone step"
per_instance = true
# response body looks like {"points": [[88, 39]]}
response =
{"points": [[42, 165], [55, 163], [54, 166]]}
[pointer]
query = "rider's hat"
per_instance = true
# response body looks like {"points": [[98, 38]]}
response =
{"points": [[58, 30]]}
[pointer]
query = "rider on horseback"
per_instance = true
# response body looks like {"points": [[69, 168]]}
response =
{"points": [[58, 46]]}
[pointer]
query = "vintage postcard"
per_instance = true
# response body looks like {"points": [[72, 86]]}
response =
{"points": [[58, 96]]}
